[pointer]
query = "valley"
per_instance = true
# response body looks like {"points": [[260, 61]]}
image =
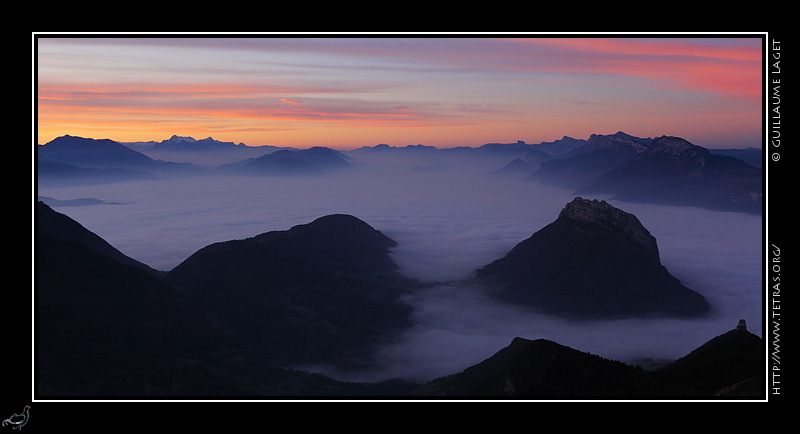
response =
{"points": [[449, 216]]}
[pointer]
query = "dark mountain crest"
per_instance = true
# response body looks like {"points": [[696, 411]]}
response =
{"points": [[52, 223], [677, 147], [583, 164], [344, 225], [324, 150], [675, 172], [543, 368], [324, 291], [593, 261], [68, 141], [335, 242], [608, 217], [70, 149], [337, 231], [315, 160], [730, 364], [619, 141]]}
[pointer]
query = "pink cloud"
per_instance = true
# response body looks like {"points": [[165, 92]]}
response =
{"points": [[733, 70], [291, 102]]}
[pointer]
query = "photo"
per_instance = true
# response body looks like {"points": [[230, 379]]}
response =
{"points": [[403, 217]]}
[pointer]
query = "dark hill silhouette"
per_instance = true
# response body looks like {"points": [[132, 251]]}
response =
{"points": [[55, 224], [69, 160], [581, 165], [542, 368], [593, 261], [729, 365], [105, 325], [285, 162], [675, 172], [523, 166], [517, 168], [323, 291], [92, 153]]}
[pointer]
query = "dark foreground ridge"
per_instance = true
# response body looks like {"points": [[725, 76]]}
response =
{"points": [[224, 323], [729, 365]]}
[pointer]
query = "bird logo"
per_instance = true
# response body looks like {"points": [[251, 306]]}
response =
{"points": [[18, 420]]}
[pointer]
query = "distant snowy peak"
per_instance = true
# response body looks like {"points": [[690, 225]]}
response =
{"points": [[176, 139], [189, 143]]}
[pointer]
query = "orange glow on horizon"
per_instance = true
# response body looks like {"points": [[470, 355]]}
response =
{"points": [[439, 92]]}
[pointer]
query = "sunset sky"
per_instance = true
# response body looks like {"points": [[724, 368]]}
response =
{"points": [[446, 90]]}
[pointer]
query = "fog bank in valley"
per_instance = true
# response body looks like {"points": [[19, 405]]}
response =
{"points": [[449, 217]]}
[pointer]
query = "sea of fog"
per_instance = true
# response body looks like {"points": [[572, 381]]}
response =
{"points": [[448, 218]]}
